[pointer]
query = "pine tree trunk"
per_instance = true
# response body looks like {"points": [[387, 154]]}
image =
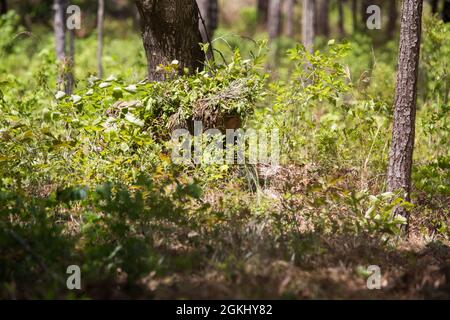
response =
{"points": [[446, 11], [263, 11], [392, 22], [308, 24], [355, 15], [434, 6], [3, 7], [60, 39], [100, 20], [69, 74], [322, 20], [341, 18], [59, 28], [209, 21], [170, 32], [401, 155], [290, 15], [364, 16], [274, 22]]}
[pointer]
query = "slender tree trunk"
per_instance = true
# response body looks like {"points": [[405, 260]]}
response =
{"points": [[209, 20], [136, 19], [70, 77], [446, 11], [263, 11], [392, 22], [60, 39], [401, 155], [364, 5], [341, 18], [3, 7], [434, 6], [322, 21], [308, 24], [290, 15], [60, 30], [170, 32], [355, 15], [274, 22], [100, 20]]}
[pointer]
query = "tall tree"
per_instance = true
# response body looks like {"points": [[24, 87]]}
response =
{"points": [[434, 6], [446, 11], [100, 20], [364, 5], [308, 24], [60, 39], [262, 7], [69, 74], [341, 27], [60, 30], [3, 6], [209, 10], [322, 17], [290, 16], [403, 135], [274, 22], [170, 32], [392, 21], [355, 15]]}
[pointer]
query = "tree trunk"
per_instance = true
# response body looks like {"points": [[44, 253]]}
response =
{"points": [[100, 19], [209, 20], [60, 30], [355, 15], [308, 24], [3, 7], [263, 11], [274, 22], [60, 39], [322, 21], [341, 18], [392, 22], [69, 74], [170, 32], [434, 6], [364, 5], [401, 155], [290, 16], [446, 11]]}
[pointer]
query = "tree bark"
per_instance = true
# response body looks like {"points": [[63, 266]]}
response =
{"points": [[446, 11], [322, 21], [170, 32], [60, 30], [3, 7], [100, 20], [69, 74], [392, 22], [341, 18], [290, 15], [308, 24], [434, 6], [364, 5], [209, 21], [263, 11], [403, 135], [60, 39], [274, 22], [355, 15]]}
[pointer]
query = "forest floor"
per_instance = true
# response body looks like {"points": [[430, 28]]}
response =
{"points": [[330, 266]]}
